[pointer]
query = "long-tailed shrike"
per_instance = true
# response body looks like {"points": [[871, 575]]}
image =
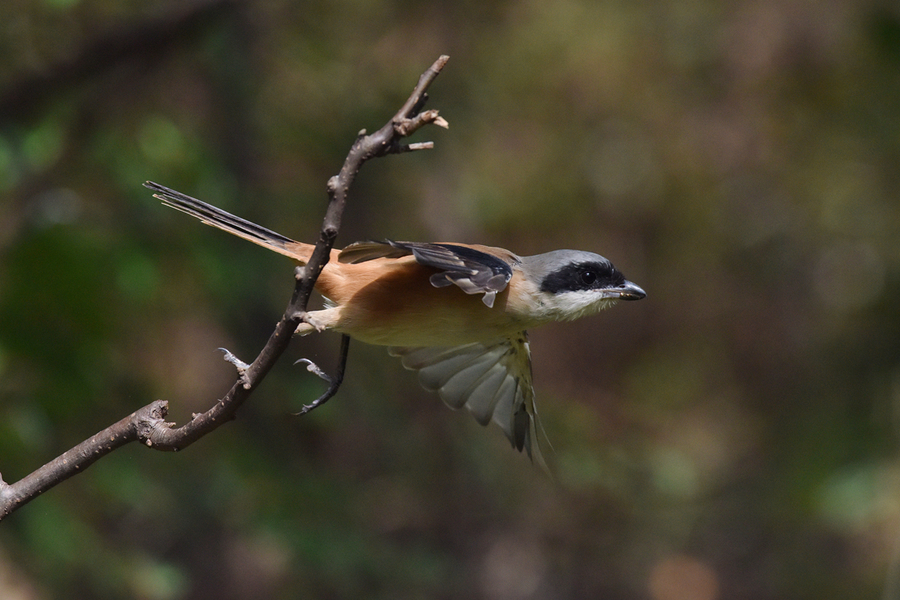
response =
{"points": [[473, 351]]}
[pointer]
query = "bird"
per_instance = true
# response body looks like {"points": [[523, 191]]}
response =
{"points": [[474, 352]]}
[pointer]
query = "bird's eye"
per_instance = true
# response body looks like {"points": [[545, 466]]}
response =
{"points": [[588, 277]]}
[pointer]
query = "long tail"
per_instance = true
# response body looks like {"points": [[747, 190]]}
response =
{"points": [[226, 221]]}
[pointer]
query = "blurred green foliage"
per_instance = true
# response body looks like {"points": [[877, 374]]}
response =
{"points": [[731, 436]]}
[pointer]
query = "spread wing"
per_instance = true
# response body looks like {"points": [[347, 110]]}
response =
{"points": [[473, 271], [490, 379]]}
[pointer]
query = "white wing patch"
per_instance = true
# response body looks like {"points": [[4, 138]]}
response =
{"points": [[492, 380]]}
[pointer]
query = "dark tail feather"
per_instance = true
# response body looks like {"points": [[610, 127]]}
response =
{"points": [[226, 221]]}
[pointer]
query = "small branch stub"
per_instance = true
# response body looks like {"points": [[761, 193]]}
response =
{"points": [[416, 146], [406, 127]]}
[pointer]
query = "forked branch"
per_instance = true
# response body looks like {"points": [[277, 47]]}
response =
{"points": [[148, 424]]}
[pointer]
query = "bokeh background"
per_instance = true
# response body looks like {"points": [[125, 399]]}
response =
{"points": [[733, 435]]}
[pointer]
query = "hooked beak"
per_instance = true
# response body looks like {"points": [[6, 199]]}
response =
{"points": [[626, 291]]}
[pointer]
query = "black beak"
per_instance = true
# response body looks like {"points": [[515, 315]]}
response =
{"points": [[628, 291]]}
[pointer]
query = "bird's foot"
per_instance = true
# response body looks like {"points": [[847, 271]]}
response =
{"points": [[240, 365]]}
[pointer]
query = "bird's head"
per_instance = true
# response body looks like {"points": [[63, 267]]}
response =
{"points": [[573, 283]]}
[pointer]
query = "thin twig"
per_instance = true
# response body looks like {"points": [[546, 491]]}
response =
{"points": [[148, 424]]}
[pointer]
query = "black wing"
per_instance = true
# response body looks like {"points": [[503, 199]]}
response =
{"points": [[473, 271]]}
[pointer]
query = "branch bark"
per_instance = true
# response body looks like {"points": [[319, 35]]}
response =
{"points": [[148, 424]]}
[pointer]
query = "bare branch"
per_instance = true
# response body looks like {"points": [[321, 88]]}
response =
{"points": [[148, 424], [139, 425]]}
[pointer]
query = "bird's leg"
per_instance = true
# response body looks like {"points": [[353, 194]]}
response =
{"points": [[333, 382], [317, 320]]}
